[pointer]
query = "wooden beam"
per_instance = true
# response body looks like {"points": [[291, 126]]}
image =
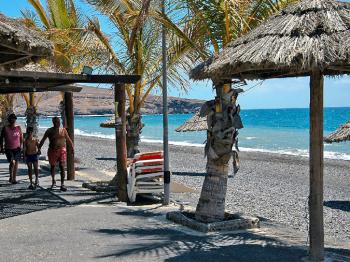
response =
{"points": [[9, 53], [120, 97], [316, 232], [11, 47], [47, 77], [69, 114], [15, 60], [19, 89]]}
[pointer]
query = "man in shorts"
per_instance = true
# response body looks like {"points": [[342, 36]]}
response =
{"points": [[57, 152], [13, 136]]}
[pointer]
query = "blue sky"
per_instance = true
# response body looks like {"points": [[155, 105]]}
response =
{"points": [[277, 93]]}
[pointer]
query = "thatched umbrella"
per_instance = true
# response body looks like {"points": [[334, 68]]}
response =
{"points": [[195, 123], [19, 45], [340, 135], [310, 38], [48, 67], [110, 123]]}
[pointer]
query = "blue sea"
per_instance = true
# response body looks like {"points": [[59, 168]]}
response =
{"points": [[284, 131]]}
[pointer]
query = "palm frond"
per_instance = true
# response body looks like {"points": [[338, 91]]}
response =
{"points": [[38, 7]]}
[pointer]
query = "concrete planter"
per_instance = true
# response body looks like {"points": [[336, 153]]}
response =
{"points": [[232, 222]]}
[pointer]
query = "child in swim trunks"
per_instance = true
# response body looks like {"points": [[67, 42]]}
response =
{"points": [[31, 154]]}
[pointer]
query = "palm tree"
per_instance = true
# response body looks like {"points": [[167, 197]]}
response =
{"points": [[223, 21], [32, 100], [138, 48], [74, 45], [6, 107]]}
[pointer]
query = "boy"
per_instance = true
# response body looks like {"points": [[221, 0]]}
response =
{"points": [[31, 146]]}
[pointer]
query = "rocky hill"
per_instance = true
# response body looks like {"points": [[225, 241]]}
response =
{"points": [[96, 101]]}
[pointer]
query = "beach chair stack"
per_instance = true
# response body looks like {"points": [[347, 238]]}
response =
{"points": [[145, 174]]}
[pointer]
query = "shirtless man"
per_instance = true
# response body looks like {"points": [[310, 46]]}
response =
{"points": [[57, 149]]}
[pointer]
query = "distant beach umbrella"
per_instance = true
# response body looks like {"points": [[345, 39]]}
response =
{"points": [[110, 123], [20, 45], [342, 134], [309, 38], [195, 123]]}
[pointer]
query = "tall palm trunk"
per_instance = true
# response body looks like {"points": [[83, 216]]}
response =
{"points": [[8, 110], [133, 131], [61, 109], [223, 121], [32, 119], [211, 204]]}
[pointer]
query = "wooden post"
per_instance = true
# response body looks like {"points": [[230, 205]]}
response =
{"points": [[31, 99], [119, 94], [166, 200], [69, 116], [316, 167]]}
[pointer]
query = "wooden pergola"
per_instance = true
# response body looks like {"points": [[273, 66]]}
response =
{"points": [[26, 82]]}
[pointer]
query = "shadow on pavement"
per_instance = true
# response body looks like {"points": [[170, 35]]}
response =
{"points": [[338, 204], [188, 174], [106, 158], [17, 200], [165, 242], [153, 241]]}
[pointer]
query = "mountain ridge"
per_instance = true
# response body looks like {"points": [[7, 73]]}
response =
{"points": [[99, 101]]}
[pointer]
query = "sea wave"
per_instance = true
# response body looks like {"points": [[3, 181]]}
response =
{"points": [[44, 127], [298, 152], [293, 152], [93, 134], [176, 143]]}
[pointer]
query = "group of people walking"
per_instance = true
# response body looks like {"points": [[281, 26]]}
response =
{"points": [[16, 147]]}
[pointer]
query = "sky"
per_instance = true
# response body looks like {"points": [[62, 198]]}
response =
{"points": [[275, 93]]}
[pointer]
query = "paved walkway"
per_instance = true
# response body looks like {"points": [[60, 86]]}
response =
{"points": [[80, 225]]}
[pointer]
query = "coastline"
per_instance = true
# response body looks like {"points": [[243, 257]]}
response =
{"points": [[272, 186], [297, 152]]}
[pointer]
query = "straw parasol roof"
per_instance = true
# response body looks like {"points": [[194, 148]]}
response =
{"points": [[340, 135], [20, 44], [195, 123], [306, 35], [37, 67]]}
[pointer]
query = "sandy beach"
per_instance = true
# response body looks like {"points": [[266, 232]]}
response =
{"points": [[271, 186]]}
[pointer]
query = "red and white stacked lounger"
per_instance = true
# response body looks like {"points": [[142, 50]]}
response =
{"points": [[145, 174]]}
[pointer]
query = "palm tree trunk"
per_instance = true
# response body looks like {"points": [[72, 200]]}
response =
{"points": [[32, 119], [62, 113], [134, 127], [211, 204], [8, 111], [223, 121]]}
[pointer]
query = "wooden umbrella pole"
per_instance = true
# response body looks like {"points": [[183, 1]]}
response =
{"points": [[69, 116], [316, 231], [120, 97]]}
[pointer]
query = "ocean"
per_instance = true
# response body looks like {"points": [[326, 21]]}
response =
{"points": [[284, 131]]}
